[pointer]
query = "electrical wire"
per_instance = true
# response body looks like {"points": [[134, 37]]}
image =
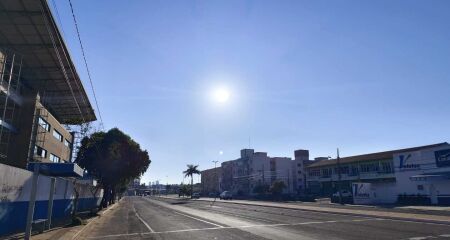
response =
{"points": [[85, 63]]}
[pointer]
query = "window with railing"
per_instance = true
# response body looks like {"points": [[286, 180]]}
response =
{"points": [[327, 172], [314, 173], [386, 167], [369, 167], [354, 171]]}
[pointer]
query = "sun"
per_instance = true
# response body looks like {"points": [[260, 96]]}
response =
{"points": [[221, 95]]}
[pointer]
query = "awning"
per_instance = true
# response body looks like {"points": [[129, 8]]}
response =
{"points": [[57, 169], [28, 28]]}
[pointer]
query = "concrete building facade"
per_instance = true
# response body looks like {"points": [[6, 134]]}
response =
{"points": [[388, 176], [252, 170], [40, 90], [210, 181]]}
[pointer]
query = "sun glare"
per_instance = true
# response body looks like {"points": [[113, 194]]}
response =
{"points": [[221, 95]]}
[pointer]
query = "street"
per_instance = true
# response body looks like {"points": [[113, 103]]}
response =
{"points": [[158, 218]]}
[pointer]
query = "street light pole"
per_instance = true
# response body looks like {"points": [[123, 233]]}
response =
{"points": [[339, 177], [216, 178]]}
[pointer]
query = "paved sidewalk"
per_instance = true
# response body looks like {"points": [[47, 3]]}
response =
{"points": [[64, 233], [410, 216]]}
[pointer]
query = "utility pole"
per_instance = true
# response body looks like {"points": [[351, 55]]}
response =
{"points": [[339, 177], [216, 178]]}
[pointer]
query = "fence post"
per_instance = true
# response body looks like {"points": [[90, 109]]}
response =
{"points": [[32, 201]]}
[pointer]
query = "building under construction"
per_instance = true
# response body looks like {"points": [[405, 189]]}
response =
{"points": [[40, 90]]}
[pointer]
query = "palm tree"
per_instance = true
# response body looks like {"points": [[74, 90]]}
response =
{"points": [[189, 172]]}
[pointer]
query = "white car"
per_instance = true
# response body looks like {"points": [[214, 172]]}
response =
{"points": [[226, 195], [345, 194]]}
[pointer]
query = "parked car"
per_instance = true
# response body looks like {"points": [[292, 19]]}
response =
{"points": [[347, 197], [345, 194], [195, 195], [226, 195]]}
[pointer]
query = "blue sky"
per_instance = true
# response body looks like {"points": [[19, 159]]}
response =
{"points": [[363, 76]]}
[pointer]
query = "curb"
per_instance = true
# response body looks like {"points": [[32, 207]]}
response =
{"points": [[339, 213]]}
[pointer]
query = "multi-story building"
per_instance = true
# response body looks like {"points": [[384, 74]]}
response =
{"points": [[210, 180], [40, 90], [423, 170], [255, 169], [301, 159], [226, 176]]}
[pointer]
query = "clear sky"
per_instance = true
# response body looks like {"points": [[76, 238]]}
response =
{"points": [[363, 76]]}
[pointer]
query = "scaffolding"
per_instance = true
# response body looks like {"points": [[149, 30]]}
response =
{"points": [[10, 87]]}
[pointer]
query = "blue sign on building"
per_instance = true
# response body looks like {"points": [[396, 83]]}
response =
{"points": [[442, 158]]}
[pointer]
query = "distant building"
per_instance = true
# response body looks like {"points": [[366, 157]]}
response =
{"points": [[255, 169], [210, 180]]}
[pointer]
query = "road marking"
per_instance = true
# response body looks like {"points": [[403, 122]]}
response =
{"points": [[430, 237], [219, 228], [198, 219], [142, 220]]}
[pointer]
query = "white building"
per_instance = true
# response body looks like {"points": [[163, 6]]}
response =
{"points": [[387, 177], [256, 169]]}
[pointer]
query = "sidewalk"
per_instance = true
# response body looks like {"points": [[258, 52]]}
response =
{"points": [[66, 232], [379, 213]]}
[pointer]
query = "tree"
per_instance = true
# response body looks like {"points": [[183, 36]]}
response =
{"points": [[114, 159], [189, 172], [261, 189], [184, 190], [277, 187]]}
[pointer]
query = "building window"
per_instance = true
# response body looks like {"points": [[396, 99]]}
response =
{"points": [[327, 172], [44, 124], [40, 152], [314, 173], [66, 143], [54, 158], [420, 187], [57, 135], [386, 167], [299, 172], [299, 164], [369, 167]]}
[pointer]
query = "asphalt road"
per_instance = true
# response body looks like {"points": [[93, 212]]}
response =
{"points": [[149, 218]]}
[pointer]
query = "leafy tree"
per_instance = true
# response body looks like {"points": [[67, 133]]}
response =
{"points": [[114, 159], [184, 190], [189, 172], [261, 189], [277, 187]]}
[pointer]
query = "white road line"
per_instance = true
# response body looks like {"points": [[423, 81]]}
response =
{"points": [[142, 220], [218, 228], [430, 237], [198, 219]]}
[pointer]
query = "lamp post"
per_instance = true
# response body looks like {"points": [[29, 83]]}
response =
{"points": [[339, 177], [216, 178]]}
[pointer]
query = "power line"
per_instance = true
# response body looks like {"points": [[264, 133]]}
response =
{"points": [[57, 15], [85, 63]]}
